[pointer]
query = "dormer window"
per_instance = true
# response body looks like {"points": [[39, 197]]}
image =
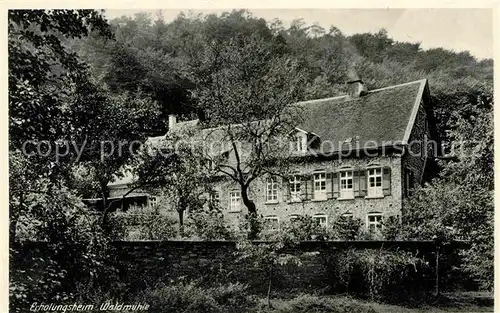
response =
{"points": [[300, 143]]}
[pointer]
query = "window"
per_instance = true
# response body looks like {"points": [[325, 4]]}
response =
{"points": [[272, 190], [295, 185], [214, 198], [294, 217], [272, 222], [374, 222], [152, 202], [321, 219], [347, 216], [346, 185], [375, 183], [234, 201], [299, 143], [320, 186]]}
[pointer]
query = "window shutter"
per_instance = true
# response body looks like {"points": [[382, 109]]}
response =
{"points": [[308, 180], [329, 189], [286, 189], [355, 183], [303, 190], [386, 181], [362, 183], [335, 184]]}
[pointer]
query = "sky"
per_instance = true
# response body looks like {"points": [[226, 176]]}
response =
{"points": [[453, 29]]}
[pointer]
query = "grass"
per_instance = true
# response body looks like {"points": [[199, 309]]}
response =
{"points": [[343, 304]]}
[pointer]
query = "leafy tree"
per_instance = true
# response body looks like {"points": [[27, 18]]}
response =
{"points": [[41, 68], [459, 204], [247, 91], [41, 73]]}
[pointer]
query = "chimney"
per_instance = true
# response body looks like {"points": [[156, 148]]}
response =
{"points": [[172, 120], [355, 86]]}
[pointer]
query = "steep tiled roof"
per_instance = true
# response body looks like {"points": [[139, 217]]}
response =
{"points": [[380, 116]]}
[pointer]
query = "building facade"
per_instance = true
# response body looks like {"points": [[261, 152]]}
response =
{"points": [[357, 155]]}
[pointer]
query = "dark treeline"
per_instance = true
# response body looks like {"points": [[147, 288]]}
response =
{"points": [[165, 60]]}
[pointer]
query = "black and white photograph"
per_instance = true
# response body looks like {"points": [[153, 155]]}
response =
{"points": [[250, 160]]}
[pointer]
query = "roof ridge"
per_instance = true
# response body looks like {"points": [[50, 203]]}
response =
{"points": [[368, 92], [420, 81]]}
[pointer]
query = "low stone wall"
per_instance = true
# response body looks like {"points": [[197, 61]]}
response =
{"points": [[143, 263]]}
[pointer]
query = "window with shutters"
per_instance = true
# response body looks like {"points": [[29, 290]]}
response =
{"points": [[319, 186], [235, 201], [321, 219], [374, 223], [295, 185], [375, 188], [272, 222], [346, 185], [272, 190]]}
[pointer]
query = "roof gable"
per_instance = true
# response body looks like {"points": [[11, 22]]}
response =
{"points": [[379, 117]]}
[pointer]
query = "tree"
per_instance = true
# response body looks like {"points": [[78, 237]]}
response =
{"points": [[459, 204], [248, 91], [184, 181], [41, 68], [41, 73], [109, 130]]}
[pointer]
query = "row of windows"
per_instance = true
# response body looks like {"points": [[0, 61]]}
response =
{"points": [[372, 186], [346, 183], [373, 220]]}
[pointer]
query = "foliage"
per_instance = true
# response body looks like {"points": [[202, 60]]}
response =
{"points": [[191, 297], [74, 251], [347, 228], [388, 275], [208, 225], [267, 256], [304, 303], [142, 223], [41, 68], [459, 204]]}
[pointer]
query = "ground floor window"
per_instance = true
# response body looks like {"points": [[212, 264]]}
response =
{"points": [[235, 200], [321, 219], [272, 222], [374, 222]]}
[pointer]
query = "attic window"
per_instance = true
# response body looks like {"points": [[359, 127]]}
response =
{"points": [[300, 143]]}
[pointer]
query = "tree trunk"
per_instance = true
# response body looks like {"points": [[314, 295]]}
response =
{"points": [[105, 213], [252, 209], [252, 213], [269, 287]]}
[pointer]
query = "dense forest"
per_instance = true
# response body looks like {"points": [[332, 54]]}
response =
{"points": [[74, 76], [165, 60]]}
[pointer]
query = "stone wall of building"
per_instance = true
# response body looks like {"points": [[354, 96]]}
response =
{"points": [[359, 207]]}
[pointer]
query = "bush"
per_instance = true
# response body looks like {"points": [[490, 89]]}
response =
{"points": [[190, 297], [207, 225], [347, 228], [140, 223], [393, 276], [306, 303]]}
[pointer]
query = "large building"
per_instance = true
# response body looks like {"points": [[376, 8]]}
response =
{"points": [[355, 155]]}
